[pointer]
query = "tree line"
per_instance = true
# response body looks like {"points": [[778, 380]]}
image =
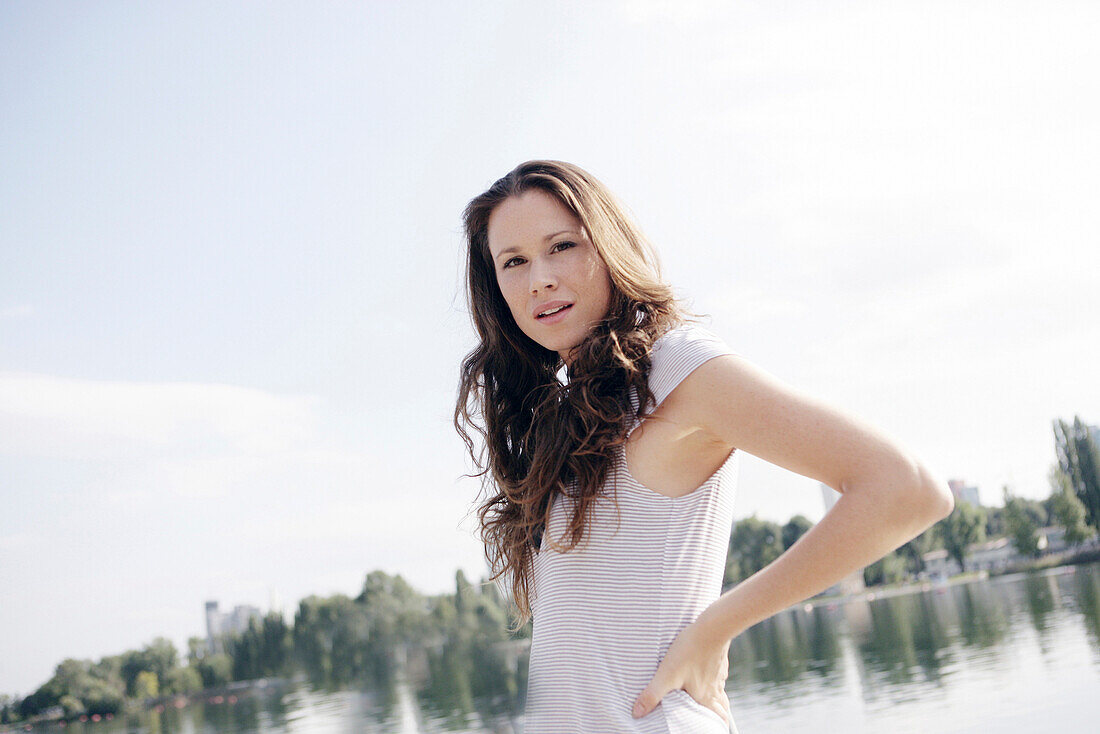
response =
{"points": [[1073, 504], [460, 641], [334, 641]]}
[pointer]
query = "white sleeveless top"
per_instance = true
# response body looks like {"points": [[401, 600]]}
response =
{"points": [[605, 612]]}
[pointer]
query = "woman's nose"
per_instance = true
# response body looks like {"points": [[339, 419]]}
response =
{"points": [[542, 276]]}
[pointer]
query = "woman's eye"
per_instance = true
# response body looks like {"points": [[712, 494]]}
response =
{"points": [[563, 246], [509, 263]]}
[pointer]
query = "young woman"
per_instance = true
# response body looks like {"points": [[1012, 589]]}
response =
{"points": [[610, 483]]}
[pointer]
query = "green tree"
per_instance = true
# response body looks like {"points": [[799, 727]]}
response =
{"points": [[158, 657], [275, 644], [795, 528], [995, 525], [76, 684], [184, 680], [961, 529], [72, 706], [102, 697], [912, 552], [397, 616], [1035, 510], [1079, 459], [313, 637], [216, 670], [468, 660], [196, 649], [243, 649], [889, 569], [1066, 509], [335, 642], [146, 685], [754, 543], [9, 707], [262, 650], [996, 522], [1020, 525]]}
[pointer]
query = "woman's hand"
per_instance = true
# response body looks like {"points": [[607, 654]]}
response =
{"points": [[696, 664]]}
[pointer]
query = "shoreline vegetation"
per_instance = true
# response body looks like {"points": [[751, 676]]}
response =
{"points": [[437, 654], [456, 648], [1060, 562]]}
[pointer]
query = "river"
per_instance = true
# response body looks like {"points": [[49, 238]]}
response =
{"points": [[1010, 655]]}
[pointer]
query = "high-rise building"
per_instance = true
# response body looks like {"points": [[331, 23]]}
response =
{"points": [[213, 627], [963, 491], [219, 624]]}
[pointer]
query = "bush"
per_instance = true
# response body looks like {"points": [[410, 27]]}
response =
{"points": [[216, 670], [101, 698], [72, 706], [889, 569], [145, 685], [183, 680]]}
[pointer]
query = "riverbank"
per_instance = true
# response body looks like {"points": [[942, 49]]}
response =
{"points": [[1052, 560], [227, 694], [1045, 563], [884, 592]]}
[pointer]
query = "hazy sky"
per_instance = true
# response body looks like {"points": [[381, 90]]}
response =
{"points": [[231, 312]]}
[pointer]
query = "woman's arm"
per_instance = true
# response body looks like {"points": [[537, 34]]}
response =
{"points": [[887, 498]]}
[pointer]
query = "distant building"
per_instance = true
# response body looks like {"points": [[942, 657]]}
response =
{"points": [[964, 492], [219, 624], [993, 555], [937, 564], [988, 556], [1052, 539]]}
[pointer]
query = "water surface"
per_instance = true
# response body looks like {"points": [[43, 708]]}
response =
{"points": [[1013, 655]]}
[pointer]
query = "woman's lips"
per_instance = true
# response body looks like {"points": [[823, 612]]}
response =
{"points": [[556, 316]]}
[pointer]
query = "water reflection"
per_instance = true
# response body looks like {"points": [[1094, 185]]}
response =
{"points": [[1020, 651], [1085, 599]]}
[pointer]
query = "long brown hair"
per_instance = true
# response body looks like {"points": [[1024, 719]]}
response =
{"points": [[541, 436]]}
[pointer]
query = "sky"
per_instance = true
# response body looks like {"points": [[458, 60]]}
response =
{"points": [[231, 304]]}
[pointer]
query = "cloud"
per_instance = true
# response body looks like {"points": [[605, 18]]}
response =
{"points": [[11, 313], [753, 304], [14, 541], [382, 517], [678, 12], [65, 418]]}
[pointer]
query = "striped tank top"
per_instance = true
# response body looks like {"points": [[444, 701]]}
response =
{"points": [[605, 613]]}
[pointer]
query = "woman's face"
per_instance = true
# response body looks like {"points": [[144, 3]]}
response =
{"points": [[555, 283]]}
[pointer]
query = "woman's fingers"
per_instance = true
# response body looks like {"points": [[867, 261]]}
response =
{"points": [[716, 702], [723, 702], [719, 703], [648, 699]]}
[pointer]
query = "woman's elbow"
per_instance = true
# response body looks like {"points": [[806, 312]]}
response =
{"points": [[936, 498], [913, 494], [916, 497]]}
